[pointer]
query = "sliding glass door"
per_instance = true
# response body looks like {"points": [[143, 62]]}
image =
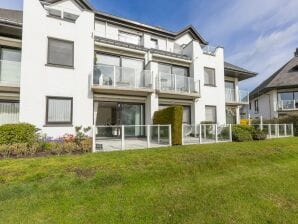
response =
{"points": [[114, 113]]}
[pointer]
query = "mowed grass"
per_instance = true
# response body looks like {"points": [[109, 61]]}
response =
{"points": [[255, 182]]}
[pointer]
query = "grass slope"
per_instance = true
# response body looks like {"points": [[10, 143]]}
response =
{"points": [[253, 182]]}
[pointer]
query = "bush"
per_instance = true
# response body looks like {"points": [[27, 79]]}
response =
{"points": [[18, 133], [173, 116], [18, 150], [257, 134], [242, 133]]}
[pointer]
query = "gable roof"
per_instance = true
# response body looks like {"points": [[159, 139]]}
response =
{"points": [[285, 77], [83, 3], [236, 71], [9, 16]]}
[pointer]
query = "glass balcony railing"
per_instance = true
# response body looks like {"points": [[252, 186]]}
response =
{"points": [[10, 72], [287, 105], [121, 77], [207, 49], [233, 96], [177, 83]]}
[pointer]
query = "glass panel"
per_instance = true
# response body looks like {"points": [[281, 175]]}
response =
{"points": [[162, 68], [11, 54], [134, 73], [154, 43], [209, 76], [231, 115], [9, 112], [179, 71], [133, 114], [107, 60], [59, 110], [229, 85], [210, 114], [186, 115], [60, 52]]}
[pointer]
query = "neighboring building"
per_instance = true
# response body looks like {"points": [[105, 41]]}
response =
{"points": [[278, 95], [64, 64]]}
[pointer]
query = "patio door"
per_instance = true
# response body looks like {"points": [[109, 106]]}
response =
{"points": [[117, 114]]}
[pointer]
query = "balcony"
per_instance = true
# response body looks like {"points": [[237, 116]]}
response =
{"points": [[287, 105], [171, 85], [236, 97], [115, 79], [207, 49], [10, 72]]}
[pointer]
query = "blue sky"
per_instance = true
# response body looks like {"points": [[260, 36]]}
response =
{"points": [[258, 35]]}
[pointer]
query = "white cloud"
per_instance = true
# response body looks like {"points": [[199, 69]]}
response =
{"points": [[258, 35]]}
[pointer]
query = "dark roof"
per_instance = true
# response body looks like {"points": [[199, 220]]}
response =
{"points": [[285, 77], [236, 71], [11, 16]]}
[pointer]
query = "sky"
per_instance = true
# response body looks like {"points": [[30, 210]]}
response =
{"points": [[259, 35]]}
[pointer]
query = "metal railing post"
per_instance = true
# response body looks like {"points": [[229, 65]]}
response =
{"points": [[188, 78], [231, 136], [182, 133], [122, 137], [170, 135], [285, 127], [94, 139], [269, 130], [175, 84], [158, 133], [277, 130], [200, 133], [148, 136], [292, 129], [114, 76], [216, 133]]}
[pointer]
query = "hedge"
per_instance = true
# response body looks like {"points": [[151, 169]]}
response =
{"points": [[18, 133], [172, 115]]}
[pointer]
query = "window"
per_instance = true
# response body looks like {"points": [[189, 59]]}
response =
{"points": [[209, 76], [60, 52], [59, 110], [173, 69], [9, 112], [256, 105], [10, 66], [250, 105], [210, 113], [129, 38], [154, 43]]}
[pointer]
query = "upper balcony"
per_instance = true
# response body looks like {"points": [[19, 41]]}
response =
{"points": [[123, 80], [207, 49], [236, 97], [10, 72], [179, 86], [287, 105]]}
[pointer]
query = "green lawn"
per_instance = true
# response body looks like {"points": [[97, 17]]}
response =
{"points": [[255, 182]]}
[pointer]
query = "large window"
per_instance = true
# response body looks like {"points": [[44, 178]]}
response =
{"points": [[210, 114], [288, 96], [114, 113], [60, 52], [9, 112], [10, 66], [59, 110], [129, 38], [209, 77], [173, 69]]}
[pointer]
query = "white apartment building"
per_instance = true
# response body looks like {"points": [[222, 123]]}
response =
{"points": [[277, 96], [65, 64]]}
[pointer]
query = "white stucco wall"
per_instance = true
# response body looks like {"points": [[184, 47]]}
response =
{"points": [[39, 80]]}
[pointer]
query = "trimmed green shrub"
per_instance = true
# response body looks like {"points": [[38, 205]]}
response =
{"points": [[257, 134], [242, 133], [18, 133], [173, 116]]}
